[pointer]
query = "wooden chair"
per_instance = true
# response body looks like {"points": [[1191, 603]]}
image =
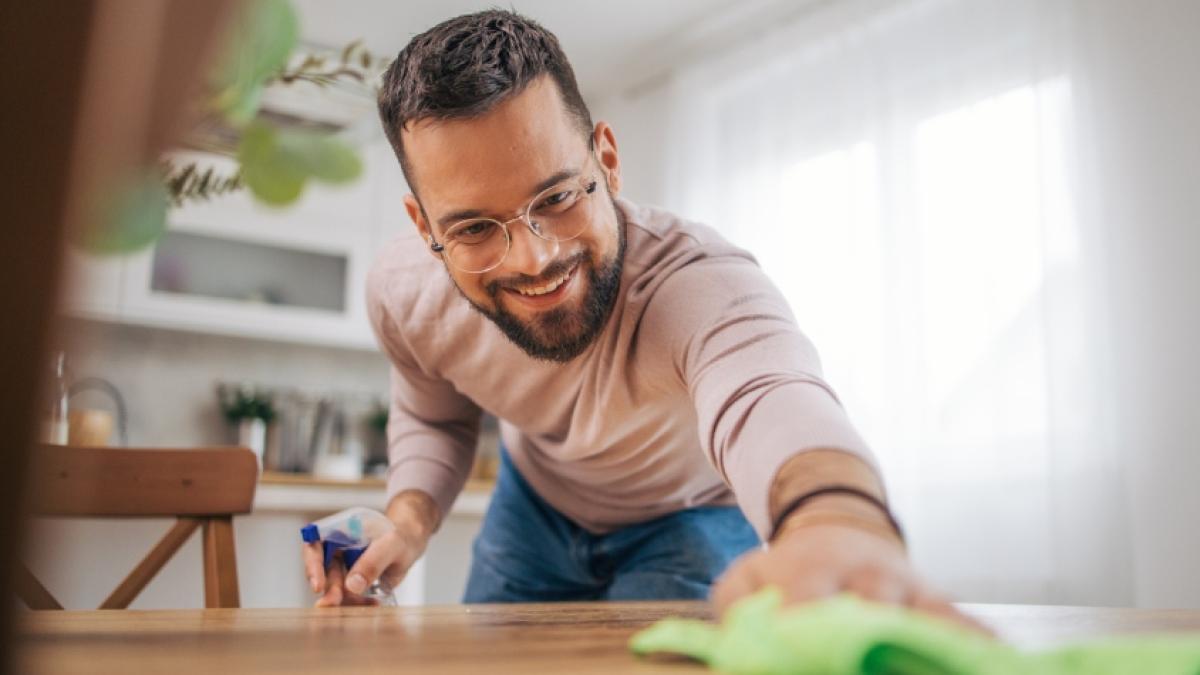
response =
{"points": [[202, 488]]}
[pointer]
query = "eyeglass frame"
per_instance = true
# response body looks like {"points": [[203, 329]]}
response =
{"points": [[588, 190]]}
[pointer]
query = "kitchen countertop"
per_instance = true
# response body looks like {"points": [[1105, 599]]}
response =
{"points": [[535, 638], [302, 494]]}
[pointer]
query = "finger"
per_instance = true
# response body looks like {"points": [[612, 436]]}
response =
{"points": [[734, 585], [314, 566], [936, 605], [333, 586], [380, 554], [809, 588]]}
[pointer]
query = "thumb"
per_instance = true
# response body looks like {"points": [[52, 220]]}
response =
{"points": [[380, 554]]}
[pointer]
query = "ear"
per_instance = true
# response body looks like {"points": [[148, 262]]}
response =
{"points": [[417, 214], [606, 151]]}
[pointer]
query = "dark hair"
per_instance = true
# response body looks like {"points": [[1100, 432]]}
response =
{"points": [[464, 67]]}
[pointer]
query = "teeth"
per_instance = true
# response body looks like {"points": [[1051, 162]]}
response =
{"points": [[548, 288]]}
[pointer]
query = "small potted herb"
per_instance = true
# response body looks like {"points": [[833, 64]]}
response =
{"points": [[248, 410]]}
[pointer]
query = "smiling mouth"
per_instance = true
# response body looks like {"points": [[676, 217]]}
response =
{"points": [[546, 293], [549, 287]]}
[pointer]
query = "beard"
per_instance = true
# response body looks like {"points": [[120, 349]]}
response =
{"points": [[562, 333]]}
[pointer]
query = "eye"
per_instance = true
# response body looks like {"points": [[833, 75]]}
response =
{"points": [[472, 232], [556, 198], [558, 201]]}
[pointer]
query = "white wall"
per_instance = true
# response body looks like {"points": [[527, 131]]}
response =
{"points": [[1143, 103], [168, 378], [639, 119]]}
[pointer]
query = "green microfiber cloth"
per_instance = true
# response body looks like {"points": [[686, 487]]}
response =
{"points": [[847, 636]]}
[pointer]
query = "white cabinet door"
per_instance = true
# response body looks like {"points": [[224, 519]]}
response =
{"points": [[236, 267], [233, 266]]}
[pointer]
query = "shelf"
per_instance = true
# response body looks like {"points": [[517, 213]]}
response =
{"points": [[249, 273]]}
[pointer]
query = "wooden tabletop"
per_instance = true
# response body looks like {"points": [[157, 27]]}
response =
{"points": [[549, 638]]}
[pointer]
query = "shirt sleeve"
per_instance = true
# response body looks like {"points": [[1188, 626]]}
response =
{"points": [[754, 378], [432, 428]]}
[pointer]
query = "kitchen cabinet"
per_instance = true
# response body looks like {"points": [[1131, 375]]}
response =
{"points": [[236, 267], [94, 285]]}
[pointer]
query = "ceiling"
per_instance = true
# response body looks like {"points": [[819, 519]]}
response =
{"points": [[612, 44]]}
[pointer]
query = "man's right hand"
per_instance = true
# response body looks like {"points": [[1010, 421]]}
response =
{"points": [[415, 516]]}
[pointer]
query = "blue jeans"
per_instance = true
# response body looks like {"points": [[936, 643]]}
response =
{"points": [[529, 552]]}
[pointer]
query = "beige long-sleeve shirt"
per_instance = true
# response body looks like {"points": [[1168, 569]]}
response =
{"points": [[697, 390]]}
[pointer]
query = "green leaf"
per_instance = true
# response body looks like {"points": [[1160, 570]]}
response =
{"points": [[267, 171], [239, 103], [130, 216], [276, 164], [323, 157], [260, 40]]}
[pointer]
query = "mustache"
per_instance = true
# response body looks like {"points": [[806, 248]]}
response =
{"points": [[555, 270]]}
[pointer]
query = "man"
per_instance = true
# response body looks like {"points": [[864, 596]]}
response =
{"points": [[661, 412]]}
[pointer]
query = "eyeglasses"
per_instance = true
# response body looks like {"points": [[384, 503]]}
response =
{"points": [[559, 213]]}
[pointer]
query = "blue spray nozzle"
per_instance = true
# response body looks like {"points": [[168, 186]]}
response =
{"points": [[350, 553], [310, 534]]}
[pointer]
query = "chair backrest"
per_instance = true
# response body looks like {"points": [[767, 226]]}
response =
{"points": [[202, 488]]}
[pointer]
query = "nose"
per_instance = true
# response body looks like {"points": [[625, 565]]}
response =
{"points": [[528, 253]]}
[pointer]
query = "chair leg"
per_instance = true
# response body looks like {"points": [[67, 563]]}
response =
{"points": [[220, 563], [31, 590], [151, 564]]}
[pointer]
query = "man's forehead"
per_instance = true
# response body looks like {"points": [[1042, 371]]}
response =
{"points": [[484, 161]]}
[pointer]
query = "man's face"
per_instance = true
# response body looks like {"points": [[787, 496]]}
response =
{"points": [[492, 167]]}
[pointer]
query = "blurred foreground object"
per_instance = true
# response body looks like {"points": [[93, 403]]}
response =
{"points": [[100, 98], [275, 155]]}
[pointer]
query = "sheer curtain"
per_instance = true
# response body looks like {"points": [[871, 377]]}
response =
{"points": [[908, 173]]}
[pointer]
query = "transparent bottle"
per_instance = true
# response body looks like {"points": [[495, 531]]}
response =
{"points": [[346, 535], [56, 424]]}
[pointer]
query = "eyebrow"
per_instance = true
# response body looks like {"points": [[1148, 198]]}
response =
{"points": [[464, 214]]}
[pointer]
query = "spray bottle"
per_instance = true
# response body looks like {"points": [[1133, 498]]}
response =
{"points": [[347, 534]]}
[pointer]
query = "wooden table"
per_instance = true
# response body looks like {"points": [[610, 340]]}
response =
{"points": [[543, 638]]}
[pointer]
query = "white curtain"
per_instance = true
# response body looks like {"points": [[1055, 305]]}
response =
{"points": [[913, 176]]}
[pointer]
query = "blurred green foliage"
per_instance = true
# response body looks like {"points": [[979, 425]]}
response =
{"points": [[274, 164]]}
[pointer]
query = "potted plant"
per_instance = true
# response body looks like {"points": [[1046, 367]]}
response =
{"points": [[249, 411]]}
